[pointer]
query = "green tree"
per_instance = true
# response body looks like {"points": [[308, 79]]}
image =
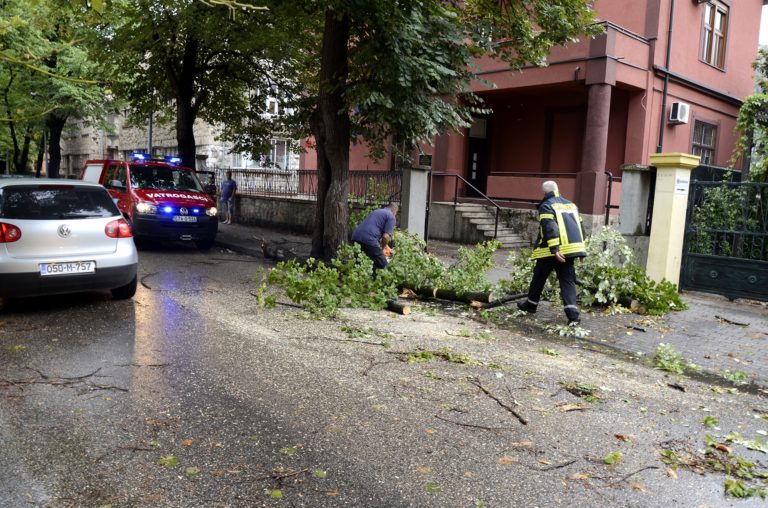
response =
{"points": [[404, 69], [185, 60], [752, 124], [46, 75]]}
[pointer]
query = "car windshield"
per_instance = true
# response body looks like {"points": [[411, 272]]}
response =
{"points": [[164, 178], [50, 202]]}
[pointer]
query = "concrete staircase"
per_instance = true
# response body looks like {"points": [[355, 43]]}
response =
{"points": [[483, 218]]}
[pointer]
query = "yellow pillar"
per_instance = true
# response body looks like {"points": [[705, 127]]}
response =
{"points": [[670, 203]]}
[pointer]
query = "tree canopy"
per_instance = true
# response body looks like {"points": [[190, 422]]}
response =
{"points": [[185, 60], [403, 70], [46, 75], [752, 124]]}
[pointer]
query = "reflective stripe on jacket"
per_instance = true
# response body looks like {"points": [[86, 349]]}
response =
{"points": [[560, 229]]}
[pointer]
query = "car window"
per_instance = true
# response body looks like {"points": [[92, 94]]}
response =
{"points": [[116, 178], [164, 178], [47, 202]]}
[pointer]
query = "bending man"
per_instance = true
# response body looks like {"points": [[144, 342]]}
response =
{"points": [[374, 233]]}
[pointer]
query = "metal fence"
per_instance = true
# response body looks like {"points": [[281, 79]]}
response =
{"points": [[726, 240], [301, 184]]}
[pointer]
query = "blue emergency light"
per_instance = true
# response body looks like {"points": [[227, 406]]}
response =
{"points": [[172, 159], [168, 209], [196, 211], [139, 156]]}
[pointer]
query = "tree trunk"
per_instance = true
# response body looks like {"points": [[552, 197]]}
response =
{"points": [[55, 124], [40, 155], [331, 127], [185, 133], [186, 112], [24, 159]]}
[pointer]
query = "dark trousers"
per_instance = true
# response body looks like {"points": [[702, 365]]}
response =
{"points": [[376, 254], [566, 274]]}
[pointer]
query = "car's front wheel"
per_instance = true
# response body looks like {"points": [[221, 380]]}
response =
{"points": [[127, 291], [205, 244]]}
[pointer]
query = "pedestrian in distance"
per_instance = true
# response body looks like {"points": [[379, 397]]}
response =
{"points": [[210, 188], [228, 189], [559, 243], [374, 233]]}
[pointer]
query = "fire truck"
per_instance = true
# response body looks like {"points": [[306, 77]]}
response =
{"points": [[161, 199]]}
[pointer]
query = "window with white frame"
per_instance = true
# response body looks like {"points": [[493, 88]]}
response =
{"points": [[704, 139], [715, 33]]}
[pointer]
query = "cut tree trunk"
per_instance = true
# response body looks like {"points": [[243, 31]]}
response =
{"points": [[398, 307], [448, 294]]}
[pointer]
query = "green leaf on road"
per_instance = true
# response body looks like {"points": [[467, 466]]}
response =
{"points": [[613, 458], [276, 494], [18, 348], [168, 461], [709, 421], [319, 473], [738, 377], [432, 487], [289, 450], [192, 471]]}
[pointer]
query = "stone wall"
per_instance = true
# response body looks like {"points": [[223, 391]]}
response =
{"points": [[294, 216]]}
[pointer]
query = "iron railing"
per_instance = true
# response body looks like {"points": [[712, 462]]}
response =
{"points": [[458, 178], [301, 184], [728, 219]]}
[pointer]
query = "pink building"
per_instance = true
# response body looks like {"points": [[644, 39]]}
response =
{"points": [[667, 76]]}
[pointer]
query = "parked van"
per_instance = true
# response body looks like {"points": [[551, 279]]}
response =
{"points": [[161, 200]]}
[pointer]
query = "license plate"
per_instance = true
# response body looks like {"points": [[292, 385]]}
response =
{"points": [[184, 218], [71, 268]]}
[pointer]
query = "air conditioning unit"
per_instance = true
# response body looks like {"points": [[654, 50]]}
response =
{"points": [[679, 112]]}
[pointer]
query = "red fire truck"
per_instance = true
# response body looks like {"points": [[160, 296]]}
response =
{"points": [[162, 200]]}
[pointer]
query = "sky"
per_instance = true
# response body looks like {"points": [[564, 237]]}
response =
{"points": [[764, 26]]}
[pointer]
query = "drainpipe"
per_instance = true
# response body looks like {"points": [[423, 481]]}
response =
{"points": [[666, 80]]}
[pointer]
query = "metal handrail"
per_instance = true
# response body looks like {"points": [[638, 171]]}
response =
{"points": [[456, 196]]}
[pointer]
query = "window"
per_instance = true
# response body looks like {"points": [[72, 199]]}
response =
{"points": [[715, 32], [703, 145]]}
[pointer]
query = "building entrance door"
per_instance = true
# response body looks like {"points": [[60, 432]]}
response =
{"points": [[477, 163]]}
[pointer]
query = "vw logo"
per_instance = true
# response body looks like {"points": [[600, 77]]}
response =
{"points": [[183, 211], [64, 231]]}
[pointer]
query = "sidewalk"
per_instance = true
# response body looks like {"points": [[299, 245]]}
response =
{"points": [[718, 335]]}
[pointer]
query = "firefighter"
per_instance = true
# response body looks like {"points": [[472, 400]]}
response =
{"points": [[560, 242]]}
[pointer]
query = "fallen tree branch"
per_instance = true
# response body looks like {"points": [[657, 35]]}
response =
{"points": [[724, 320], [472, 426], [497, 303], [553, 466], [76, 378], [626, 477], [514, 413]]}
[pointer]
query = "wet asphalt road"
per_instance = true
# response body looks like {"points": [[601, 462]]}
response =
{"points": [[192, 395]]}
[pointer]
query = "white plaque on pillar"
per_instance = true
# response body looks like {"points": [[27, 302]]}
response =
{"points": [[681, 185]]}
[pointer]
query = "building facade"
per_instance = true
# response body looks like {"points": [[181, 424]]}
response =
{"points": [[82, 141], [666, 76]]}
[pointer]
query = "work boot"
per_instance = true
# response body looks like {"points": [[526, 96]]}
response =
{"points": [[527, 306]]}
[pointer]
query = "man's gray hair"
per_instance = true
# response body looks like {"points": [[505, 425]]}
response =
{"points": [[549, 186], [394, 205]]}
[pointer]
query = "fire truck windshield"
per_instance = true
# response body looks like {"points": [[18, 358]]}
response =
{"points": [[164, 178]]}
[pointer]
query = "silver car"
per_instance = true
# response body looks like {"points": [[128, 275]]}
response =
{"points": [[63, 236]]}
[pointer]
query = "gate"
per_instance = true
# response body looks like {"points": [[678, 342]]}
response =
{"points": [[725, 250]]}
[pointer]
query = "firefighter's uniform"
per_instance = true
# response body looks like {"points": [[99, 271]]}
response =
{"points": [[560, 230]]}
